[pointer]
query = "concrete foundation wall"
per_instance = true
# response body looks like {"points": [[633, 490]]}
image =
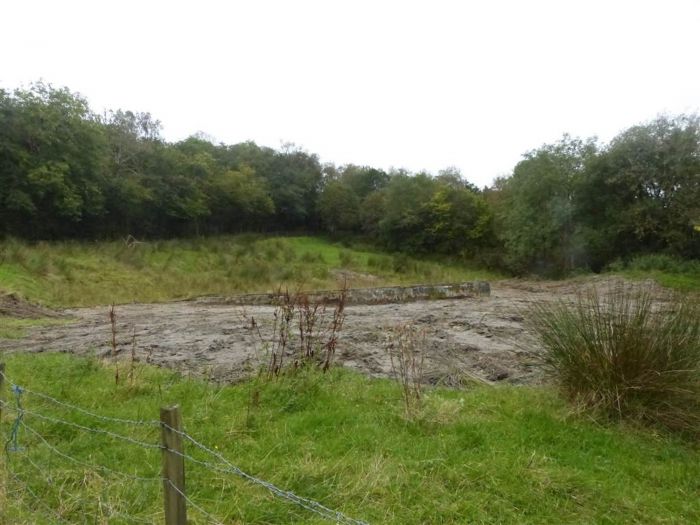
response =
{"points": [[386, 294]]}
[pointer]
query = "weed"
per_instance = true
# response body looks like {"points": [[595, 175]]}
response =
{"points": [[335, 327], [406, 348], [316, 341]]}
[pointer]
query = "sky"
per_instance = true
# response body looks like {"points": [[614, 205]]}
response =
{"points": [[415, 85]]}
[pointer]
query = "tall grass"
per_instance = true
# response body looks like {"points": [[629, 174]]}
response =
{"points": [[627, 354], [82, 273]]}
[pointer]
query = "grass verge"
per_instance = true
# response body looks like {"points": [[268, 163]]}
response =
{"points": [[486, 455]]}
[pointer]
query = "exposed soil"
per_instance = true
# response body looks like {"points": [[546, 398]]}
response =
{"points": [[12, 305], [485, 338]]}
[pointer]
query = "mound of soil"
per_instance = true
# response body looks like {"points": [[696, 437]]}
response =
{"points": [[12, 305]]}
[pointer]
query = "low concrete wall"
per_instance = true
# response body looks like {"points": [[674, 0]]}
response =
{"points": [[386, 294]]}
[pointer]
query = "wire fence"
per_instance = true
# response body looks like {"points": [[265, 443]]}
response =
{"points": [[41, 463]]}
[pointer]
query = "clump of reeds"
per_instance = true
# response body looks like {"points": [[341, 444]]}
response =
{"points": [[626, 354]]}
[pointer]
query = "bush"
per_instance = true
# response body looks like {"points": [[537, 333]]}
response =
{"points": [[626, 354]]}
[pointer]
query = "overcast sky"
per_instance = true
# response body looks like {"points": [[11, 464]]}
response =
{"points": [[419, 85]]}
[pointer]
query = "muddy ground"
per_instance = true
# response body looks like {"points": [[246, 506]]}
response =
{"points": [[484, 337]]}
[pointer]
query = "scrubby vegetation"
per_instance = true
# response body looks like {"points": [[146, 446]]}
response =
{"points": [[483, 455], [626, 355]]}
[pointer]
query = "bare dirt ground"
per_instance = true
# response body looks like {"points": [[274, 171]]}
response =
{"points": [[484, 338]]}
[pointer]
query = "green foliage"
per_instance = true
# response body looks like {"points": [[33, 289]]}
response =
{"points": [[339, 207], [422, 214], [485, 455], [642, 192], [536, 213], [52, 153], [619, 353]]}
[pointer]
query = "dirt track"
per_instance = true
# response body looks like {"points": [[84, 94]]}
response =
{"points": [[485, 337]]}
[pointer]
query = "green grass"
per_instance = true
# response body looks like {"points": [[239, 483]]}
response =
{"points": [[82, 274], [12, 328], [485, 455], [668, 271], [676, 281]]}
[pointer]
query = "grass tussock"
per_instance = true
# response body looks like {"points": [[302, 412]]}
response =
{"points": [[626, 354]]}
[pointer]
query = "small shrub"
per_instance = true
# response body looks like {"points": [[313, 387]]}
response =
{"points": [[626, 354]]}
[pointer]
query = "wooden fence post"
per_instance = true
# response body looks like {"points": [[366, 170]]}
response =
{"points": [[2, 385], [173, 466]]}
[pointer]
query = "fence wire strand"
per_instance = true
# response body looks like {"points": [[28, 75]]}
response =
{"points": [[76, 408], [308, 504], [70, 458], [33, 494], [109, 433], [229, 468], [50, 481]]}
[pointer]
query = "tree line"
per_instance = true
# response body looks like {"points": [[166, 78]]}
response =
{"points": [[67, 172]]}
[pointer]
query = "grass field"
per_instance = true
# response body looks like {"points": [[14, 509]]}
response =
{"points": [[481, 455], [83, 274]]}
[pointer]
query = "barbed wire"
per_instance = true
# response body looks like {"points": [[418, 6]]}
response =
{"points": [[50, 481], [70, 458], [108, 419], [34, 495], [230, 468], [109, 433], [308, 504]]}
